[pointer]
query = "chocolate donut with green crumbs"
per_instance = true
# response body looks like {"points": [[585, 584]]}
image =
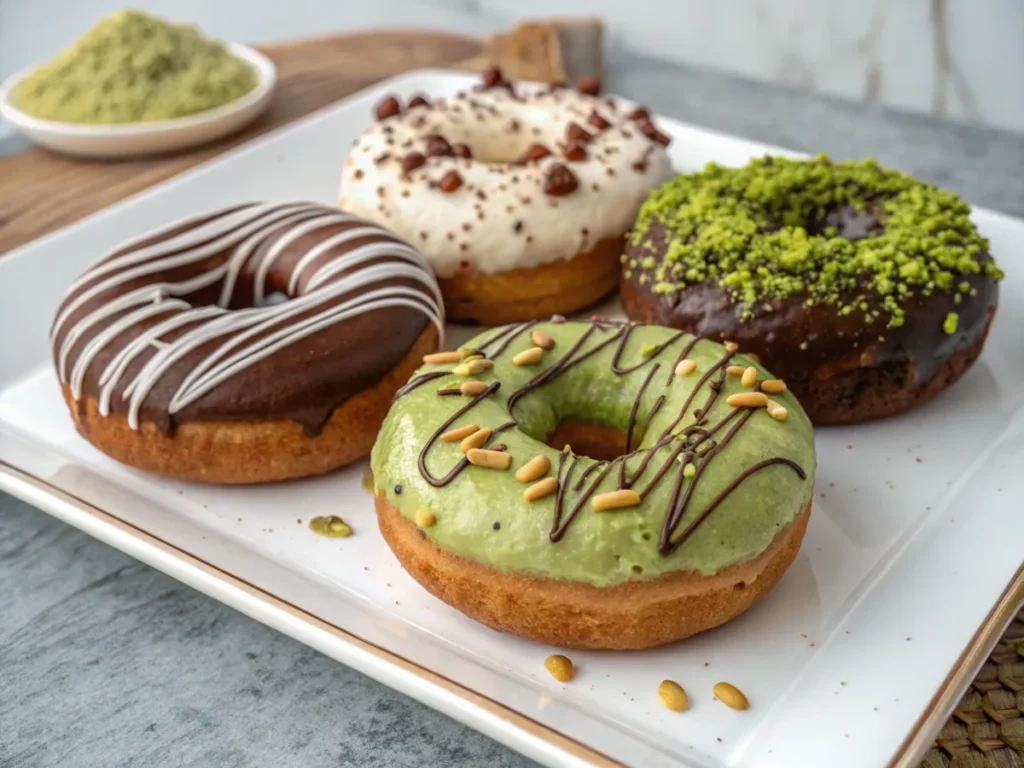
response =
{"points": [[867, 290], [682, 499]]}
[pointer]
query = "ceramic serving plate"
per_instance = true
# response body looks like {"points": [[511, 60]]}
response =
{"points": [[853, 660], [159, 136]]}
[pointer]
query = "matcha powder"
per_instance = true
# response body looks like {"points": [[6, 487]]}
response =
{"points": [[133, 68]]}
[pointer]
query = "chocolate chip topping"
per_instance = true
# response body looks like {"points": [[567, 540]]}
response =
{"points": [[438, 146], [576, 151], [412, 161], [649, 130], [462, 150], [640, 113], [576, 132], [418, 101], [560, 181], [535, 152], [597, 121], [450, 182], [590, 85], [493, 78], [389, 107]]}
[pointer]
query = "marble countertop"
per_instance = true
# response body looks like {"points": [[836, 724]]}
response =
{"points": [[106, 662]]}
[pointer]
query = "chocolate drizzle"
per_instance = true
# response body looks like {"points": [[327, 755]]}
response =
{"points": [[418, 381], [558, 525], [506, 337], [564, 363], [636, 405], [667, 546], [692, 444], [182, 324], [654, 353], [461, 465]]}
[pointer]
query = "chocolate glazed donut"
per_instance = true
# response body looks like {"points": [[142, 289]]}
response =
{"points": [[866, 290], [174, 356], [842, 368]]}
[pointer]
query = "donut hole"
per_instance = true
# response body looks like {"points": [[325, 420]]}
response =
{"points": [[848, 223], [498, 153], [585, 438], [509, 147]]}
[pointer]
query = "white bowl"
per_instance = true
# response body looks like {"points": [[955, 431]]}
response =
{"points": [[121, 140]]}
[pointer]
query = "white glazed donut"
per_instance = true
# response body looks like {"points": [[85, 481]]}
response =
{"points": [[467, 181]]}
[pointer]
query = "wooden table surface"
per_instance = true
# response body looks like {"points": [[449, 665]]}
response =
{"points": [[41, 191]]}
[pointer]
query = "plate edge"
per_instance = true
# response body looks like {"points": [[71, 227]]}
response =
{"points": [[917, 742], [248, 592]]}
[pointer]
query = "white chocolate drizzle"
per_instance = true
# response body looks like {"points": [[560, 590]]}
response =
{"points": [[131, 287]]}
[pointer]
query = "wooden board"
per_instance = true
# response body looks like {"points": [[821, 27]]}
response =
{"points": [[41, 191]]}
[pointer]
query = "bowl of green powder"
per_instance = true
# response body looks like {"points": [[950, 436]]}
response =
{"points": [[137, 85]]}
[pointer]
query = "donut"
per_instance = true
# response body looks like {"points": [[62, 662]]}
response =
{"points": [[255, 343], [595, 485], [519, 198], [866, 290]]}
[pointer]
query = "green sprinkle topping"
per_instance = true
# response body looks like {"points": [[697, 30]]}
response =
{"points": [[648, 350], [949, 325], [689, 470], [331, 526], [767, 232]]}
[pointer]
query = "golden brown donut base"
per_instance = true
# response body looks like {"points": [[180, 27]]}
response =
{"points": [[251, 451], [533, 293], [851, 392], [634, 615]]}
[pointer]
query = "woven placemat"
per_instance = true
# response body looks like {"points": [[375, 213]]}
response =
{"points": [[986, 729]]}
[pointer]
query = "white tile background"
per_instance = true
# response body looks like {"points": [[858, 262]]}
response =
{"points": [[962, 59]]}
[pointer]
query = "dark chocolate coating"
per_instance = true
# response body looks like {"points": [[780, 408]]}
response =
{"points": [[306, 380], [804, 345]]}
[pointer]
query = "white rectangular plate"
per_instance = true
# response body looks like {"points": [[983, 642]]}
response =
{"points": [[871, 635]]}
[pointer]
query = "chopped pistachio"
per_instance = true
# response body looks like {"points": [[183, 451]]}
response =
{"points": [[760, 233]]}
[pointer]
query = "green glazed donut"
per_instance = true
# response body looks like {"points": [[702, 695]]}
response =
{"points": [[713, 491]]}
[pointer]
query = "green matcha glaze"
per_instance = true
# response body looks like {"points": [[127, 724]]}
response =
{"points": [[131, 67], [599, 548], [761, 232]]}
